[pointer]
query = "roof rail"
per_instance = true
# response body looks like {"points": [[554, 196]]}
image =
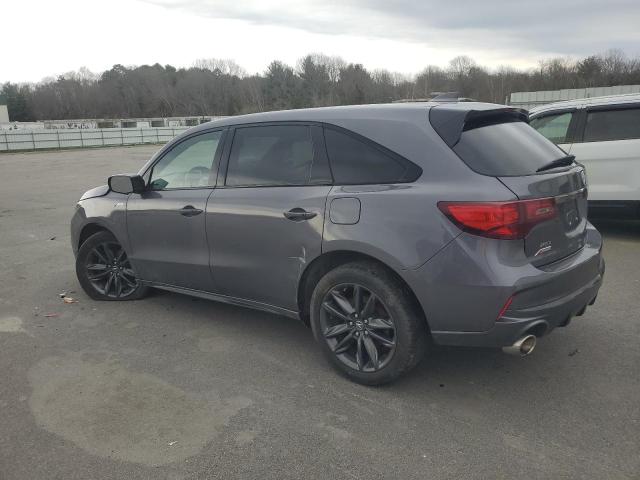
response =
{"points": [[437, 97], [450, 97], [411, 100]]}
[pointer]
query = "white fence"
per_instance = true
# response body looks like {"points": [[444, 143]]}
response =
{"points": [[532, 99], [20, 140]]}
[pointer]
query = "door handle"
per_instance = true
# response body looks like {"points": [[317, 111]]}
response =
{"points": [[299, 214], [190, 211]]}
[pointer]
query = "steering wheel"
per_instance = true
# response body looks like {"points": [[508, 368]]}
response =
{"points": [[197, 177]]}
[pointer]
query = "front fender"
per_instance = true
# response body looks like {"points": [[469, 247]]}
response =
{"points": [[100, 191], [107, 212]]}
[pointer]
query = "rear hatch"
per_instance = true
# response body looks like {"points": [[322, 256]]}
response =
{"points": [[551, 188]]}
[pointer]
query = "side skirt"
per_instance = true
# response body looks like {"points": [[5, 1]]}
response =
{"points": [[225, 299]]}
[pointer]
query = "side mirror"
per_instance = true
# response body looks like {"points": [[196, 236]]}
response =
{"points": [[126, 184]]}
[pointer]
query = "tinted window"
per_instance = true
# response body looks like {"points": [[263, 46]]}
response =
{"points": [[354, 161], [604, 125], [271, 155], [188, 164], [506, 149], [554, 127]]}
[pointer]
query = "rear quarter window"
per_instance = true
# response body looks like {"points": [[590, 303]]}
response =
{"points": [[357, 161], [506, 149]]}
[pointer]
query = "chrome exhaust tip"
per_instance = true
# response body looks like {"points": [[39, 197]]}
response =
{"points": [[522, 347]]}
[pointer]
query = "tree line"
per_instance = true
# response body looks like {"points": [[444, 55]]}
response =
{"points": [[222, 87]]}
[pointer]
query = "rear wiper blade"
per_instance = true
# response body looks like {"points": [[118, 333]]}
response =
{"points": [[559, 162]]}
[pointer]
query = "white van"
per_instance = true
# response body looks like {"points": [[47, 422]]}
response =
{"points": [[604, 135]]}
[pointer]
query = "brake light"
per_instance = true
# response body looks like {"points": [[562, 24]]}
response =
{"points": [[503, 220]]}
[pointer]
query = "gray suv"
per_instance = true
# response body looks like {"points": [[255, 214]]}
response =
{"points": [[383, 227]]}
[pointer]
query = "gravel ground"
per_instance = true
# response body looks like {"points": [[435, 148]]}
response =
{"points": [[175, 387]]}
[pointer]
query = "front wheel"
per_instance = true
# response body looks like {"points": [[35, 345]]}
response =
{"points": [[367, 323], [104, 270]]}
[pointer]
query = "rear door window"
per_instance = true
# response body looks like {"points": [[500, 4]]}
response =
{"points": [[608, 125], [270, 156], [554, 127], [356, 161], [506, 149]]}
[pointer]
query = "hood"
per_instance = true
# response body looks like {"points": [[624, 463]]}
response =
{"points": [[95, 192]]}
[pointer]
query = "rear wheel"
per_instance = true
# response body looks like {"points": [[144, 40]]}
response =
{"points": [[104, 270], [367, 324]]}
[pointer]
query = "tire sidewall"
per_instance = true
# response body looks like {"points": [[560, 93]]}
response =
{"points": [[409, 335], [81, 272]]}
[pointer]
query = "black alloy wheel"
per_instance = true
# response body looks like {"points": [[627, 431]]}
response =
{"points": [[105, 271], [109, 271], [357, 327]]}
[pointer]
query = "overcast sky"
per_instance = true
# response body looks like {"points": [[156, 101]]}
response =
{"points": [[42, 38]]}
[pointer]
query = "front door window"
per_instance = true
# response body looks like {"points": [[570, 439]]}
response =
{"points": [[188, 164], [554, 127]]}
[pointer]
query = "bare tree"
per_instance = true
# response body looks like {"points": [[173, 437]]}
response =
{"points": [[214, 86], [225, 66]]}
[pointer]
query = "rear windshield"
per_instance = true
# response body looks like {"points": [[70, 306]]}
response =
{"points": [[506, 149]]}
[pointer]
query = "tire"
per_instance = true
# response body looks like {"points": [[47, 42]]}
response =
{"points": [[104, 271], [394, 324]]}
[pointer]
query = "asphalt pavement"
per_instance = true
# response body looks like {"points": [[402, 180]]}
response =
{"points": [[181, 388]]}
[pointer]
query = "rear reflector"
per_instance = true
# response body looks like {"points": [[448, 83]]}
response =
{"points": [[504, 220], [505, 307]]}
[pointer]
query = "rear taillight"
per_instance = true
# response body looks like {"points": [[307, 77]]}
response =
{"points": [[505, 220]]}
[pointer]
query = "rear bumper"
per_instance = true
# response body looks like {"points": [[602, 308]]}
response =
{"points": [[538, 320], [464, 287]]}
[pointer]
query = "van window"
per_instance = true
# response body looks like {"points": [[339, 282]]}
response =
{"points": [[270, 155], [357, 162], [506, 149], [554, 127], [607, 125]]}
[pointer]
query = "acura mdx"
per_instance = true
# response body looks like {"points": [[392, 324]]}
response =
{"points": [[385, 228]]}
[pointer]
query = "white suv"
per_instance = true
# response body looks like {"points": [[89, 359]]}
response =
{"points": [[604, 135]]}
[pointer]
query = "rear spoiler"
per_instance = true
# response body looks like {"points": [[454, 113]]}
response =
{"points": [[451, 122]]}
